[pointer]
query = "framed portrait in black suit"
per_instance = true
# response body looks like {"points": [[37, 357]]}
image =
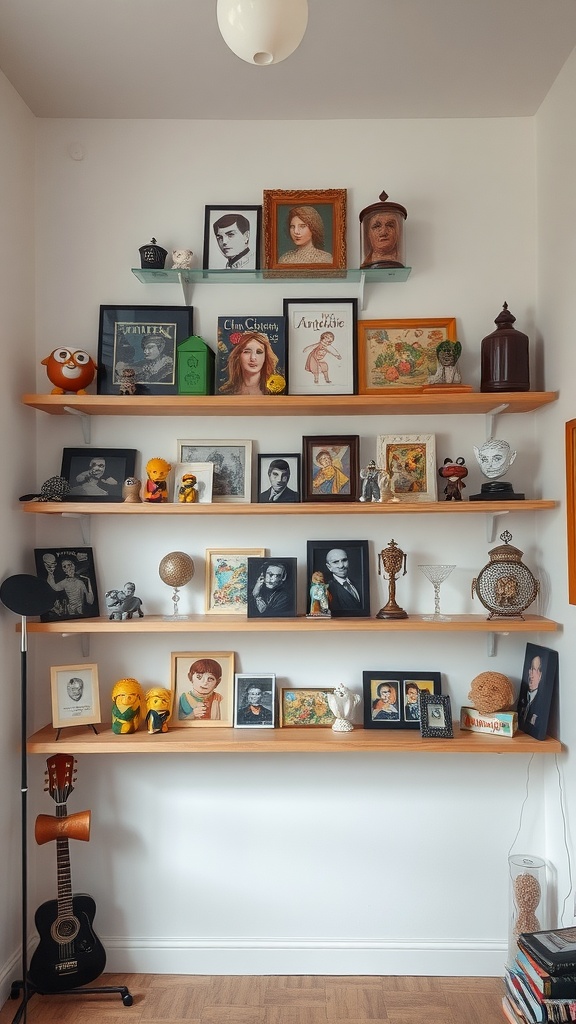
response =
{"points": [[279, 479], [344, 565], [539, 677]]}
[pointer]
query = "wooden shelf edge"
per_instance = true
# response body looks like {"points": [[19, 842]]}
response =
{"points": [[81, 740], [79, 508]]}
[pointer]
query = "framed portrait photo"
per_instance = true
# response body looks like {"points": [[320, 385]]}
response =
{"points": [[232, 237], [202, 685], [227, 579], [70, 573], [392, 699], [183, 484], [97, 474], [271, 588], [254, 701], [321, 337], [232, 461], [305, 707], [330, 470], [251, 355], [539, 679], [75, 695], [345, 567], [435, 716], [400, 355], [305, 230], [410, 462], [144, 339], [279, 479]]}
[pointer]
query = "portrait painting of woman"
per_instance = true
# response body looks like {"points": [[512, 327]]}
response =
{"points": [[250, 356], [306, 230]]}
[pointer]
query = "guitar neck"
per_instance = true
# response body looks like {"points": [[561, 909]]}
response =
{"points": [[64, 873]]}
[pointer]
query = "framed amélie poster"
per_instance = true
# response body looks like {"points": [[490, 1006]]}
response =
{"points": [[321, 338]]}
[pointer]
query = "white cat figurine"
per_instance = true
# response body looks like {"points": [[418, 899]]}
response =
{"points": [[182, 259]]}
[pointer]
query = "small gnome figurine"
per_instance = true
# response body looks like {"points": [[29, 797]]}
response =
{"points": [[159, 704], [156, 485], [127, 700]]}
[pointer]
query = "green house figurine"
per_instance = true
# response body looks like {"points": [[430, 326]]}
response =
{"points": [[195, 367]]}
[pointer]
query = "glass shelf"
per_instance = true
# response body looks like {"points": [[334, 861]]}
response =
{"points": [[354, 275]]}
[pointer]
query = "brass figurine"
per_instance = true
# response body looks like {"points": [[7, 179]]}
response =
{"points": [[393, 560]]}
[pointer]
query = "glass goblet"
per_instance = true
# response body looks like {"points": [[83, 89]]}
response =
{"points": [[436, 574]]}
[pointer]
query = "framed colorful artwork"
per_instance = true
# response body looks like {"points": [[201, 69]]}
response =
{"points": [[144, 339], [75, 696], [305, 230], [227, 579], [400, 355], [321, 338], [71, 575], [202, 685], [345, 567], [232, 462], [254, 701], [232, 237], [251, 355], [330, 468], [392, 699], [410, 462], [305, 706]]}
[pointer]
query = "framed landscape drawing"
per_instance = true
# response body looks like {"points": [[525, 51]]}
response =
{"points": [[232, 461], [305, 230], [227, 579], [144, 339], [399, 355], [410, 462], [321, 337]]}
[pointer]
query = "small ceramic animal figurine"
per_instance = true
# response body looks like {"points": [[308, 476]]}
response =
{"points": [[342, 703], [187, 491], [131, 491], [69, 370], [127, 381], [123, 604], [182, 259], [156, 486], [447, 353], [159, 705], [319, 597], [453, 473], [127, 700]]}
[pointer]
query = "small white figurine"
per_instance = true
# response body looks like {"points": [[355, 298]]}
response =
{"points": [[371, 477], [342, 703], [182, 259]]}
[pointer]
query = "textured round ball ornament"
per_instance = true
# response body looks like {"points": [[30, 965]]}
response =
{"points": [[490, 692], [176, 569]]}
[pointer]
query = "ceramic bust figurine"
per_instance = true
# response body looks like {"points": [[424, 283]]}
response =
{"points": [[495, 457], [342, 703]]}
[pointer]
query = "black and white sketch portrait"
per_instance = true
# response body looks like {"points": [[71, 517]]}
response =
{"points": [[70, 574]]}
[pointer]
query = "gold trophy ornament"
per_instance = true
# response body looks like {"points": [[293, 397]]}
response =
{"points": [[393, 560]]}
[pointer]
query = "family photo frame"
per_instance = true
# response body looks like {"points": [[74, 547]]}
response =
{"points": [[140, 343], [202, 687], [330, 468], [392, 698], [97, 474], [226, 590], [321, 338], [409, 460], [232, 460], [75, 695], [232, 237], [254, 700], [345, 566], [71, 575], [305, 230], [400, 355]]}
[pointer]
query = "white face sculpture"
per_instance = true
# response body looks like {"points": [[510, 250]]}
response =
{"points": [[494, 457]]}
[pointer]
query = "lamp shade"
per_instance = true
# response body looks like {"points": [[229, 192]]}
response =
{"points": [[262, 31]]}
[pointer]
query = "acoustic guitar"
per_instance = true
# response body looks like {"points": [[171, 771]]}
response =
{"points": [[69, 953]]}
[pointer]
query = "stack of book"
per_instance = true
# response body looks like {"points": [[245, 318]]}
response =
{"points": [[541, 980]]}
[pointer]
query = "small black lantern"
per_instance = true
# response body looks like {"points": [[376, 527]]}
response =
{"points": [[152, 256]]}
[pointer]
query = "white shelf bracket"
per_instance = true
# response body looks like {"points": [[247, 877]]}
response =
{"points": [[84, 642], [490, 416], [84, 524], [186, 283], [84, 420], [491, 520], [361, 290], [491, 645]]}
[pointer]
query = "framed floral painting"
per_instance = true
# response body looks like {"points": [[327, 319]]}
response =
{"points": [[400, 355]]}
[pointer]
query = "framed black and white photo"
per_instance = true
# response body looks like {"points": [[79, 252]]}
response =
{"points": [[279, 479], [70, 573], [435, 716], [232, 237], [539, 678], [271, 588], [254, 701], [143, 339], [345, 567], [392, 699], [321, 339], [232, 461], [75, 696], [97, 474]]}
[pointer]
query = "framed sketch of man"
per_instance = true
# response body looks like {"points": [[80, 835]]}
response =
{"points": [[232, 237], [271, 588], [75, 696], [71, 575], [539, 677], [279, 479]]}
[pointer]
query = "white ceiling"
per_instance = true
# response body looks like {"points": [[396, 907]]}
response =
{"points": [[358, 59]]}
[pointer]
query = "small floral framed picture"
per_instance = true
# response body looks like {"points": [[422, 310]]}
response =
{"points": [[227, 579], [400, 355], [410, 462], [202, 685], [306, 706], [392, 699], [321, 337], [232, 237], [75, 696], [435, 716], [254, 701], [330, 468], [305, 230]]}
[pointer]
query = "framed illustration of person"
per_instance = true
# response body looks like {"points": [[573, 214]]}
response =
{"points": [[144, 339], [97, 474], [271, 588], [305, 230], [392, 699], [70, 573], [321, 340], [202, 686], [251, 355], [539, 679], [75, 696], [232, 237], [254, 701], [345, 567], [330, 468], [279, 479]]}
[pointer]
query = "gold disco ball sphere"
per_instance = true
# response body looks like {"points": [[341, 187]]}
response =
{"points": [[176, 569]]}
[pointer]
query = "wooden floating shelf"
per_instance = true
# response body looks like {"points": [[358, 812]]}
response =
{"points": [[81, 740], [419, 404], [81, 508], [300, 624]]}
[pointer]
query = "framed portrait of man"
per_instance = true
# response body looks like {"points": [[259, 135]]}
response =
{"points": [[271, 588], [232, 237], [279, 479], [254, 701], [539, 677], [75, 696], [345, 568]]}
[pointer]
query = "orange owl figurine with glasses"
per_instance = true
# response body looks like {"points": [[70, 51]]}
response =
{"points": [[69, 370]]}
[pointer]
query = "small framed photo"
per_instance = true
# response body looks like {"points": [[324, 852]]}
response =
{"points": [[251, 355], [254, 701], [70, 573], [271, 588], [410, 462], [232, 462], [279, 479], [435, 716], [232, 237], [97, 474], [392, 699], [330, 468], [184, 484], [144, 339], [321, 336], [345, 567], [539, 678], [202, 684], [400, 355], [227, 579], [305, 230], [306, 706], [75, 696]]}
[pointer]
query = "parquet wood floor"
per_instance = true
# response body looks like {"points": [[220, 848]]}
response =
{"points": [[171, 999]]}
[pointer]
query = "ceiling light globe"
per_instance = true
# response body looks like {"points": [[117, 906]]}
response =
{"points": [[262, 32]]}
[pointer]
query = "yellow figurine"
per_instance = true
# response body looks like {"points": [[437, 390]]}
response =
{"points": [[156, 487], [127, 700], [187, 491], [159, 704]]}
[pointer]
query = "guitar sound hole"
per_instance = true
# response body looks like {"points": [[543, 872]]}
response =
{"points": [[65, 929]]}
